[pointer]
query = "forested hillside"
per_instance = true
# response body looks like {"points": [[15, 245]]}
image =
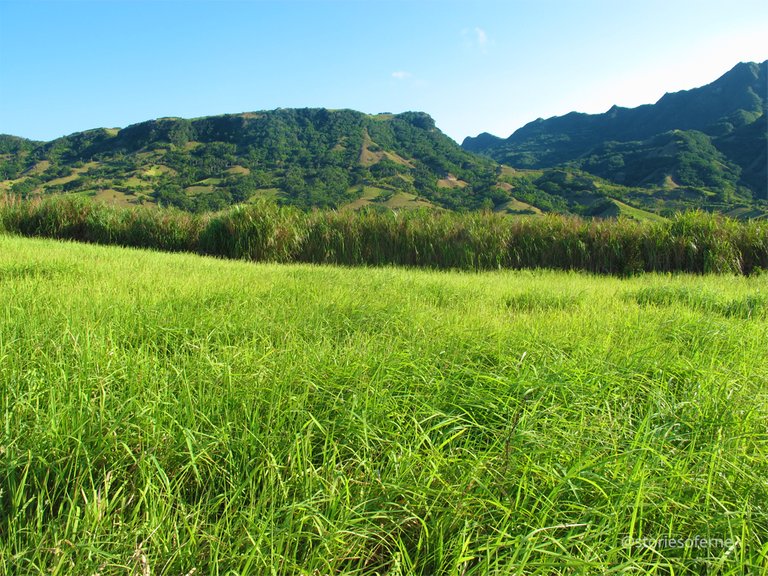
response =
{"points": [[698, 149], [304, 157], [711, 138]]}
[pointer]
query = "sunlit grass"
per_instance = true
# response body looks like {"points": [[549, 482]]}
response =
{"points": [[172, 414], [265, 232]]}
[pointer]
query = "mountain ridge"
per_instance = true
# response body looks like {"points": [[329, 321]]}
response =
{"points": [[752, 74], [718, 110], [703, 148], [310, 157]]}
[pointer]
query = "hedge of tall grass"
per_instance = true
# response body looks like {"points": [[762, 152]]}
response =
{"points": [[692, 242]]}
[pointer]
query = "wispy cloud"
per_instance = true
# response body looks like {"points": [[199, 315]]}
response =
{"points": [[401, 75], [481, 37], [476, 38]]}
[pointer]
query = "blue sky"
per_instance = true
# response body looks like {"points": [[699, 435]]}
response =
{"points": [[474, 65]]}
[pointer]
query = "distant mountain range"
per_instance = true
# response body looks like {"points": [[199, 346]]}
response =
{"points": [[701, 148], [712, 137]]}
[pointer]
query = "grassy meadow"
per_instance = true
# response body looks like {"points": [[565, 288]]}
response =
{"points": [[170, 414]]}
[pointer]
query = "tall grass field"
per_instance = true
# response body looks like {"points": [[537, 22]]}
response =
{"points": [[172, 414], [265, 232]]}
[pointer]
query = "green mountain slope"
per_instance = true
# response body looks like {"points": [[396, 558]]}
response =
{"points": [[304, 157], [703, 149], [711, 137]]}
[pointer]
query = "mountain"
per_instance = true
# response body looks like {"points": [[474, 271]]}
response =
{"points": [[712, 137], [703, 148], [304, 157]]}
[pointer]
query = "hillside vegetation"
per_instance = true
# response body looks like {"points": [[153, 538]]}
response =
{"points": [[302, 157], [171, 414], [711, 140], [700, 149]]}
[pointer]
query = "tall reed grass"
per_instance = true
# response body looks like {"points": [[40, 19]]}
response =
{"points": [[692, 242]]}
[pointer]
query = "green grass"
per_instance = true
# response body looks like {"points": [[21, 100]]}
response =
{"points": [[134, 182], [517, 207], [636, 213], [173, 414], [266, 232], [158, 170], [198, 189]]}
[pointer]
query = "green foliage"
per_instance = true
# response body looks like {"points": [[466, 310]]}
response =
{"points": [[171, 415], [713, 137], [693, 242], [744, 306], [170, 194], [262, 232], [312, 156], [317, 158], [24, 188], [15, 145], [688, 158]]}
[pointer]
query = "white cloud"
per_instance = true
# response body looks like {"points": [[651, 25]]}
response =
{"points": [[476, 38], [401, 75], [481, 37]]}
